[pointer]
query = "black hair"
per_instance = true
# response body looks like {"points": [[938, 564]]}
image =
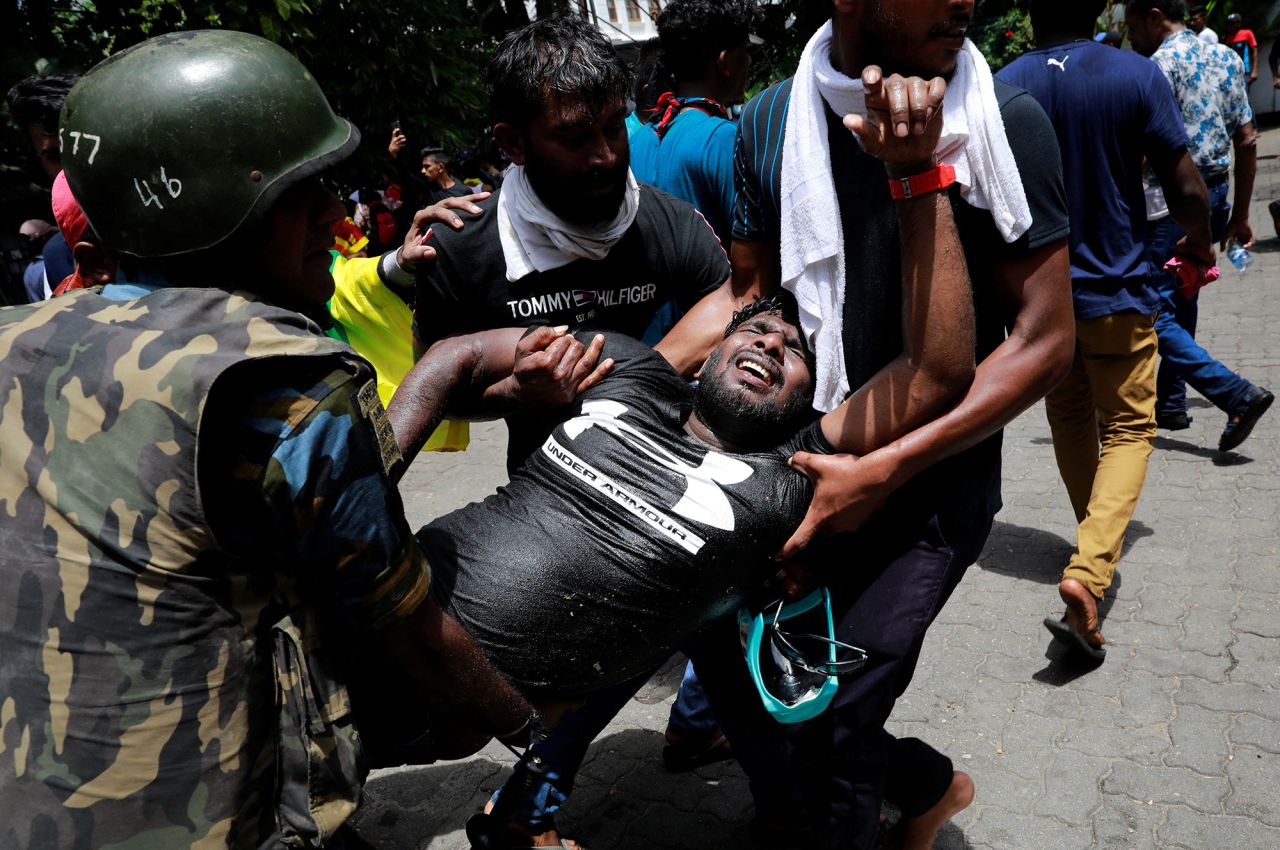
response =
{"points": [[40, 99], [1056, 17], [781, 303], [562, 54], [1198, 9], [643, 93], [438, 155], [693, 32], [1173, 10]]}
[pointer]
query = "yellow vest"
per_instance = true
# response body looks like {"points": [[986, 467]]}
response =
{"points": [[379, 326]]}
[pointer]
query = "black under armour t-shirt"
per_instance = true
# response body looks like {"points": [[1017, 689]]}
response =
{"points": [[963, 490], [668, 254], [618, 538]]}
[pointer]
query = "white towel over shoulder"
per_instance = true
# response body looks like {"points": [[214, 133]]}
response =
{"points": [[812, 249]]}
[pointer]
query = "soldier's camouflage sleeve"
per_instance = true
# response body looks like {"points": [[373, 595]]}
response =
{"points": [[314, 455]]}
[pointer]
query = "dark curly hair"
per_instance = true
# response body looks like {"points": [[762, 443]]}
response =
{"points": [[40, 99], [693, 32], [781, 303], [562, 54]]}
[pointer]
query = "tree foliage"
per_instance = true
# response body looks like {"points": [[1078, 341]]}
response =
{"points": [[414, 62]]}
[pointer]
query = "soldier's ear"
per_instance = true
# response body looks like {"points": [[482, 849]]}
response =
{"points": [[95, 264]]}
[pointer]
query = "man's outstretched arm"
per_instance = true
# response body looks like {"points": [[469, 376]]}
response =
{"points": [[544, 366]]}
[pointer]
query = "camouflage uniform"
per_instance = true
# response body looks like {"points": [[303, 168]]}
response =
{"points": [[183, 475]]}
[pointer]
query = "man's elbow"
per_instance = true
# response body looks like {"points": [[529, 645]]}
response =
{"points": [[1057, 351]]}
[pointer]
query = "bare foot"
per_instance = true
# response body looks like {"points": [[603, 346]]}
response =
{"points": [[1082, 611], [920, 831], [550, 838]]}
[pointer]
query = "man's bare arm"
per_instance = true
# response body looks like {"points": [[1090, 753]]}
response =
{"points": [[1031, 361], [1238, 229], [937, 363], [490, 373], [687, 345]]}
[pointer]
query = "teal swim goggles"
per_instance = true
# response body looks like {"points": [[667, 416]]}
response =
{"points": [[795, 671]]}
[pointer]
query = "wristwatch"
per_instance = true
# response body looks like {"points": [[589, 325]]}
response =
{"points": [[934, 180]]}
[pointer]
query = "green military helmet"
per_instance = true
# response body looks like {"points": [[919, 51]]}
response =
{"points": [[172, 145]]}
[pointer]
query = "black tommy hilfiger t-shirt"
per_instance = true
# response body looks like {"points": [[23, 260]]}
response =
{"points": [[669, 253], [618, 538]]}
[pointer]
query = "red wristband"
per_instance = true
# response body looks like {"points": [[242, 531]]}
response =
{"points": [[934, 180]]}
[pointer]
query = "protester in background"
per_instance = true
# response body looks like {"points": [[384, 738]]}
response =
{"points": [[348, 239], [1109, 111], [1208, 84], [35, 233], [1244, 43], [435, 169], [1198, 20], [1111, 38], [34, 105], [644, 97], [202, 532]]}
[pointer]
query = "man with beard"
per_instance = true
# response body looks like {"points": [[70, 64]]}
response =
{"points": [[934, 493], [648, 511], [570, 238]]}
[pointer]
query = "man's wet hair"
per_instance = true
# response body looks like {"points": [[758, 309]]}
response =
{"points": [[1173, 10], [561, 55], [39, 99], [693, 32], [781, 303]]}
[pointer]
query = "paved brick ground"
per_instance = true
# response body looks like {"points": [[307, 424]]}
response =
{"points": [[1173, 742]]}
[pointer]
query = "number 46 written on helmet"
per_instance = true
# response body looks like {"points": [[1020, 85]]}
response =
{"points": [[172, 184]]}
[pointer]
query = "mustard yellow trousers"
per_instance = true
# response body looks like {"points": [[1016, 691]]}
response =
{"points": [[1102, 417]]}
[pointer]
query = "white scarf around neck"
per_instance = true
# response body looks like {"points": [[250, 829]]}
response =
{"points": [[812, 250], [534, 239]]}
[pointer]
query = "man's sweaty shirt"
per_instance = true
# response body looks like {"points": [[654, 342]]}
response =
{"points": [[618, 538]]}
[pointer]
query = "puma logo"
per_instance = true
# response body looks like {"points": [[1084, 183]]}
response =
{"points": [[1061, 63]]}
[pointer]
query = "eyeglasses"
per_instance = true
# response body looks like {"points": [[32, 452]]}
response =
{"points": [[804, 650]]}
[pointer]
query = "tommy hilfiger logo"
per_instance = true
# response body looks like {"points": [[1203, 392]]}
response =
{"points": [[579, 299]]}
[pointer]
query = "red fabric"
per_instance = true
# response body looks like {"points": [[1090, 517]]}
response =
{"points": [[933, 180], [67, 212], [70, 282], [1192, 275]]}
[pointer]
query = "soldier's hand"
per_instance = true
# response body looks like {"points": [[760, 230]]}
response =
{"points": [[415, 251], [552, 367], [904, 118]]}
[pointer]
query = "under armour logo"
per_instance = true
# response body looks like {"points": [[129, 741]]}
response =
{"points": [[703, 500], [1061, 63]]}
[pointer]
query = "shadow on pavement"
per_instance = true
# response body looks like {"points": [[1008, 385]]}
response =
{"points": [[1036, 555], [1218, 458]]}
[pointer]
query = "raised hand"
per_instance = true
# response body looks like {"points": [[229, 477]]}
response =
{"points": [[903, 121]]}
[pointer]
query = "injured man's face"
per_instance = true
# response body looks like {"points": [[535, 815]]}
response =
{"points": [[756, 388]]}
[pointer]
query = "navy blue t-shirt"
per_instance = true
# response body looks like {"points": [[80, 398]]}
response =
{"points": [[1109, 108]]}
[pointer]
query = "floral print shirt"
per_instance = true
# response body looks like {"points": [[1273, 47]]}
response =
{"points": [[1209, 84]]}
